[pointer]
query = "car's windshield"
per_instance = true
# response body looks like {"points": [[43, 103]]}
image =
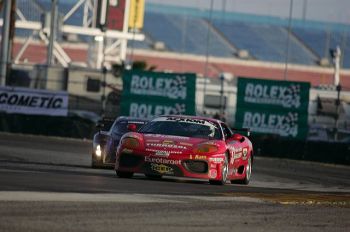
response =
{"points": [[182, 127], [121, 127]]}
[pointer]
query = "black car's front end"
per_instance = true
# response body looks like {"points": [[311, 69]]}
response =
{"points": [[105, 143], [103, 150]]}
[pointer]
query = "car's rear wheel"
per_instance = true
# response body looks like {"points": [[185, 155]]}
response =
{"points": [[224, 173], [124, 174], [248, 174]]}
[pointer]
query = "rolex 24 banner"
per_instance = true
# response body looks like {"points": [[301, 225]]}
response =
{"points": [[33, 101], [273, 107], [149, 94]]}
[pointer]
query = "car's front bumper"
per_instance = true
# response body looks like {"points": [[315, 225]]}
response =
{"points": [[181, 165]]}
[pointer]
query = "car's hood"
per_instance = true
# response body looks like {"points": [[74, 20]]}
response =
{"points": [[170, 142]]}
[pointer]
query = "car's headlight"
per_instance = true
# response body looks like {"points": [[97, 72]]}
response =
{"points": [[130, 143], [205, 148], [98, 150]]}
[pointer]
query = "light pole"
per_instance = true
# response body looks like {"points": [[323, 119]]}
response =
{"points": [[5, 44], [207, 52], [336, 54], [53, 30], [288, 39], [222, 103]]}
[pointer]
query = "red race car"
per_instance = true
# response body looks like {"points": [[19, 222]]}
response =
{"points": [[186, 146]]}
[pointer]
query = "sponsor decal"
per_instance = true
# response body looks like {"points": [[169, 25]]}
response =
{"points": [[216, 159], [162, 169], [245, 152], [185, 144], [162, 160], [33, 101], [198, 157], [168, 142], [166, 145], [213, 173], [212, 165], [167, 151], [162, 153], [210, 143], [237, 155], [189, 120]]}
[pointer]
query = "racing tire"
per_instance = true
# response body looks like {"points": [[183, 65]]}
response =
{"points": [[224, 173], [124, 174], [153, 176], [94, 163], [248, 174]]}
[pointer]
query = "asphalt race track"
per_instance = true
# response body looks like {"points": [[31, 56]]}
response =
{"points": [[46, 184]]}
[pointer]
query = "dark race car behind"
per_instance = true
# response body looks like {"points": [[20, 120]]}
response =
{"points": [[105, 143]]}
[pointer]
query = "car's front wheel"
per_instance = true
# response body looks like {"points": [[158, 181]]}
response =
{"points": [[124, 174], [248, 174], [224, 173]]}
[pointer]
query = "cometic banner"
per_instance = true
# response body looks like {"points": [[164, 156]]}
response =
{"points": [[148, 94], [273, 107], [33, 101]]}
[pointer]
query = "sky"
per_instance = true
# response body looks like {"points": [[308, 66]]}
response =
{"points": [[319, 10]]}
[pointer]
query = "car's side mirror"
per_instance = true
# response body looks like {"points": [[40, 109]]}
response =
{"points": [[238, 137], [131, 127]]}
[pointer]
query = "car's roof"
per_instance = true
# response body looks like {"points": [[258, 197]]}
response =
{"points": [[194, 117]]}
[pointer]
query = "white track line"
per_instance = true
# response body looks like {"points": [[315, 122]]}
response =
{"points": [[106, 197]]}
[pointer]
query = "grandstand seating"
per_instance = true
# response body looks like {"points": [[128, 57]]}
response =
{"points": [[320, 41], [185, 30], [265, 42], [186, 34]]}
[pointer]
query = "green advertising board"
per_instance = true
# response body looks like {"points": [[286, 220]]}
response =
{"points": [[148, 109], [273, 107], [148, 94]]}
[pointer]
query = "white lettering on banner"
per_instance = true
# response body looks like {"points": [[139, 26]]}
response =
{"points": [[288, 97], [149, 111], [174, 88], [285, 125], [33, 101]]}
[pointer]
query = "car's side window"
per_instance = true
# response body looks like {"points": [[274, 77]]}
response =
{"points": [[226, 130]]}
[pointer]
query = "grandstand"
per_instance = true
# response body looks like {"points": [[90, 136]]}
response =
{"points": [[193, 31], [184, 30]]}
